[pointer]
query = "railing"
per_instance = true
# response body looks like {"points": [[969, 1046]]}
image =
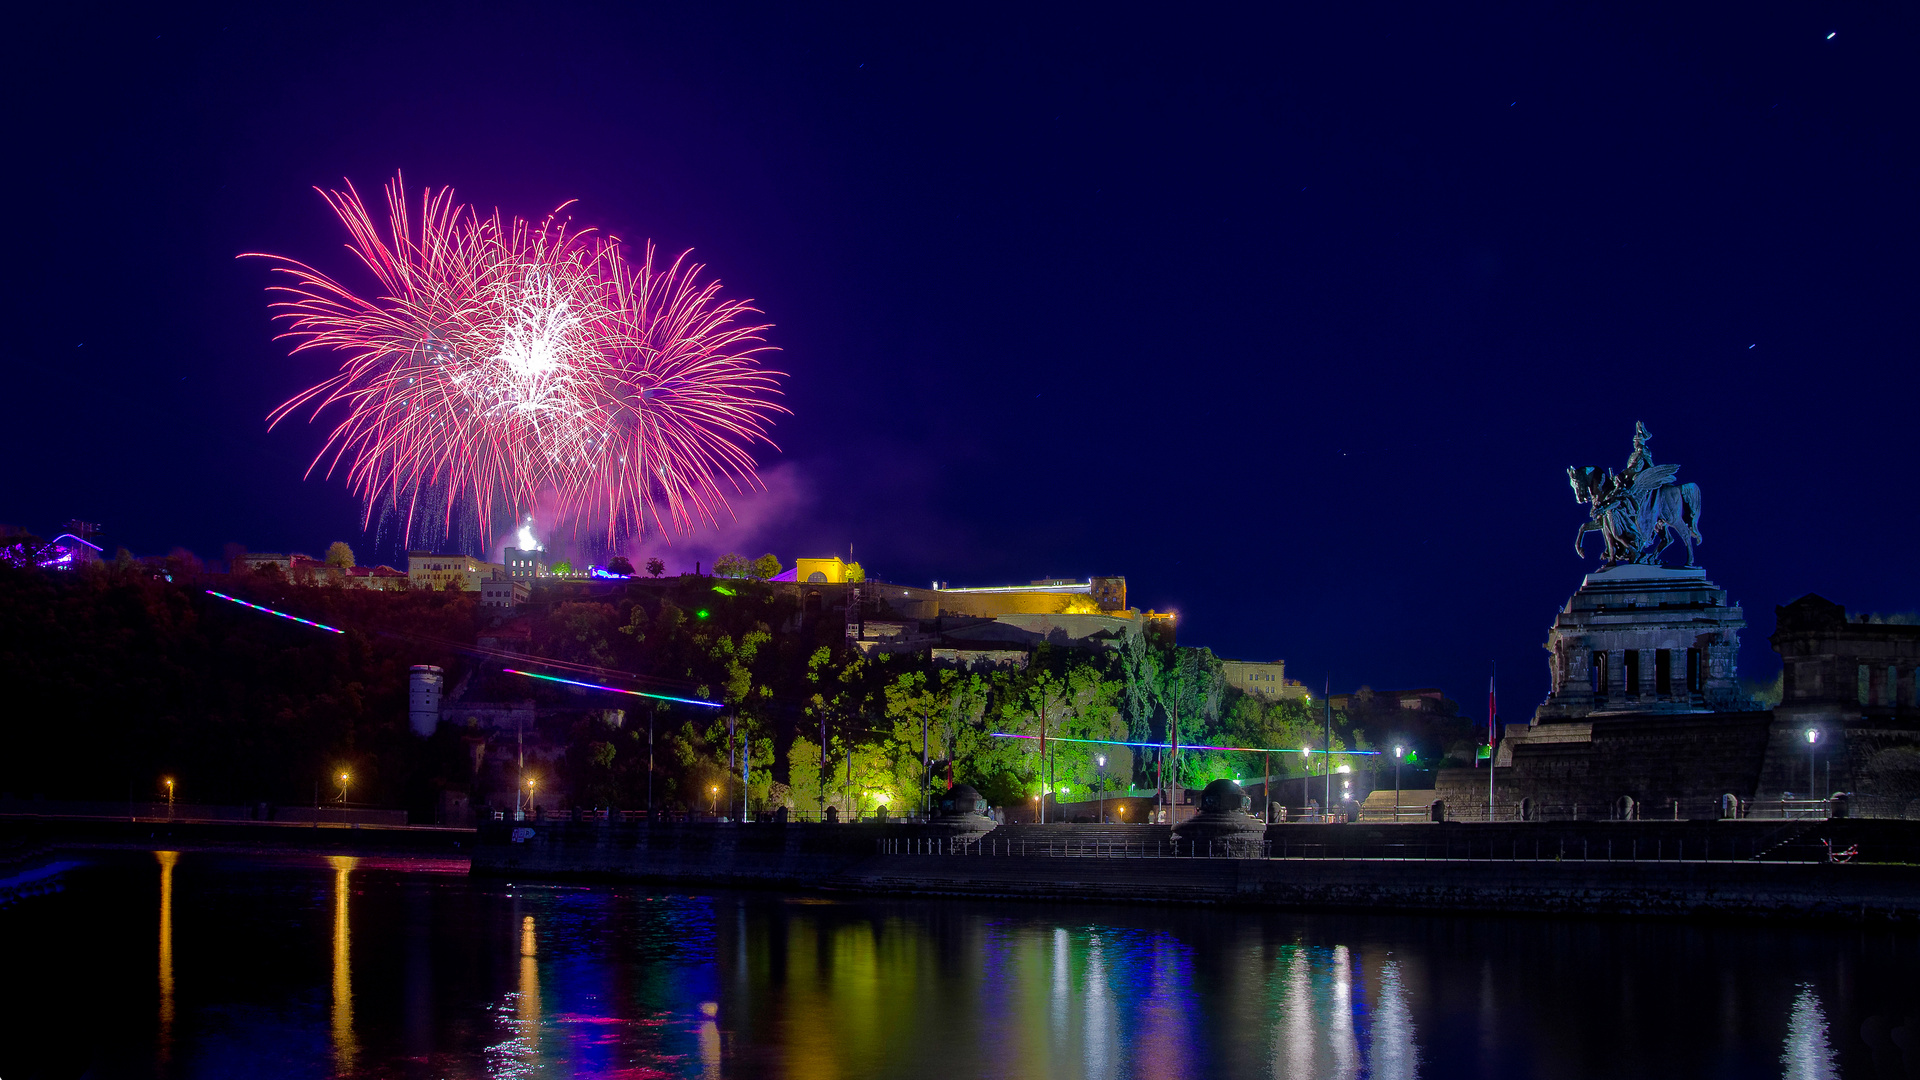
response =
{"points": [[1695, 809], [1770, 848], [1465, 847], [1075, 849], [603, 816]]}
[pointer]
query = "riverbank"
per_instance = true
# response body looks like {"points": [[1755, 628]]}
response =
{"points": [[1665, 869]]}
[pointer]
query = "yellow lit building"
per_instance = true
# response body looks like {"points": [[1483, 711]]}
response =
{"points": [[1262, 679], [428, 570], [828, 571]]}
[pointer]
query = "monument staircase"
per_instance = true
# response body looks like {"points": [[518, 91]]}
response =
{"points": [[1115, 840]]}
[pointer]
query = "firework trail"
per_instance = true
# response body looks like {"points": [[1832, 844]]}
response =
{"points": [[501, 359]]}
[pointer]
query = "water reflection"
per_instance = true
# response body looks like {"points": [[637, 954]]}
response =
{"points": [[434, 974], [1807, 1056], [709, 1037], [519, 1053], [168, 860], [344, 1048], [1391, 1048]]}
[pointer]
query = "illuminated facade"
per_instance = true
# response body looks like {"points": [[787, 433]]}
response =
{"points": [[302, 569], [828, 571], [377, 578], [504, 592], [526, 564], [1262, 680], [429, 570]]}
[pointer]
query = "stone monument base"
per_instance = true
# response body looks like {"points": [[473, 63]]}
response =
{"points": [[1642, 640]]}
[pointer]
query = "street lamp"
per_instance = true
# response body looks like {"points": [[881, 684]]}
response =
{"points": [[344, 781], [1397, 751], [1102, 760], [715, 791], [1306, 772], [1813, 736]]}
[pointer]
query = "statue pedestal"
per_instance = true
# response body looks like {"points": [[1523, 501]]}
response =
{"points": [[1223, 825], [961, 814], [1642, 639]]}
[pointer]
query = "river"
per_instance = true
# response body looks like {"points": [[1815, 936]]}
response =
{"points": [[164, 964]]}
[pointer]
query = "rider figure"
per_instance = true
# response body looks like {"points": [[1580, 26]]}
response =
{"points": [[1641, 457]]}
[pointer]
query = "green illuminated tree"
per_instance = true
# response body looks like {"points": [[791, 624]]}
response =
{"points": [[340, 555]]}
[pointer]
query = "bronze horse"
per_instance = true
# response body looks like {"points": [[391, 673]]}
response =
{"points": [[1640, 517]]}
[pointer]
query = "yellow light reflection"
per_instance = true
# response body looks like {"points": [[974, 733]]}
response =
{"points": [[529, 1010], [344, 1048], [167, 861], [709, 1038]]}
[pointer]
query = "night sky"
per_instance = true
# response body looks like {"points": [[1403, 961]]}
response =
{"points": [[1295, 320]]}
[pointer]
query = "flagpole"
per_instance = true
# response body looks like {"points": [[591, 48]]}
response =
{"points": [[1326, 700], [1492, 712]]}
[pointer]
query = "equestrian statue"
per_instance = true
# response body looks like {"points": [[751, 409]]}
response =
{"points": [[1638, 512]]}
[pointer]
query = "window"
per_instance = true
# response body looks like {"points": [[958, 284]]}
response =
{"points": [[1600, 687], [1663, 672], [1632, 686], [1890, 693], [1861, 680]]}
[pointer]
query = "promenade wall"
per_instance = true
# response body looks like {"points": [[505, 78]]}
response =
{"points": [[1766, 871]]}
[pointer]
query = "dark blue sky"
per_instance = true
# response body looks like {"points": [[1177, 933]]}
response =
{"points": [[1295, 319]]}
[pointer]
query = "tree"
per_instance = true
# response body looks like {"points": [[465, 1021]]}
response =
{"points": [[764, 567], [621, 565], [340, 555], [655, 567], [856, 572], [561, 567], [730, 565]]}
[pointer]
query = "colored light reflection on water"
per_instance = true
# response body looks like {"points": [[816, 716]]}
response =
{"points": [[341, 966]]}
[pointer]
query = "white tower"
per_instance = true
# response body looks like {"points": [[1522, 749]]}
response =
{"points": [[423, 698]]}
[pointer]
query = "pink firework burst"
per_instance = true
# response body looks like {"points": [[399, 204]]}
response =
{"points": [[500, 359]]}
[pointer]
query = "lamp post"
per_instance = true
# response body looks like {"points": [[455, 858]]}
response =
{"points": [[1306, 776], [169, 796], [344, 780], [715, 808], [1813, 737], [1397, 751], [530, 794], [1102, 781]]}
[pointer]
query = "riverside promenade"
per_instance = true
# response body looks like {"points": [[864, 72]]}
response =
{"points": [[1768, 870]]}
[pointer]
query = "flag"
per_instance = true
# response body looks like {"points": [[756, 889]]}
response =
{"points": [[1492, 710]]}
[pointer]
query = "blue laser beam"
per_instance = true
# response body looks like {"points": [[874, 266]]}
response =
{"points": [[613, 689]]}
